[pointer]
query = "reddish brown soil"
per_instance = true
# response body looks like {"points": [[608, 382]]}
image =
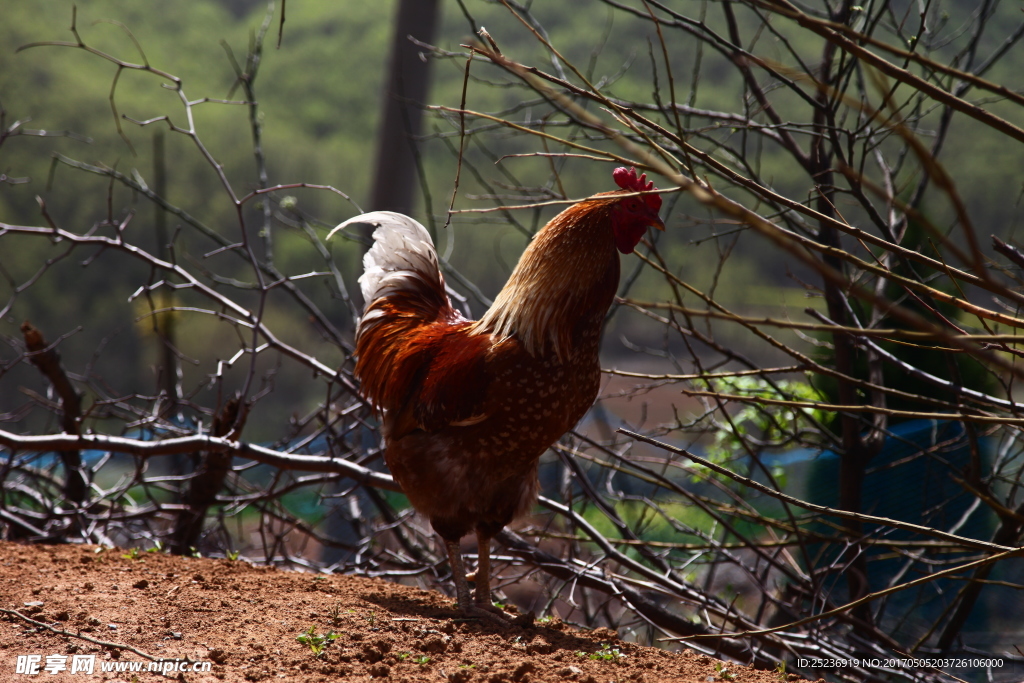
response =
{"points": [[244, 621]]}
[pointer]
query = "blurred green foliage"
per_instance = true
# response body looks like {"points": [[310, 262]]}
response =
{"points": [[769, 425]]}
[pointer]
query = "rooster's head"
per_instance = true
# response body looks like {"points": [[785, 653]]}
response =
{"points": [[632, 215]]}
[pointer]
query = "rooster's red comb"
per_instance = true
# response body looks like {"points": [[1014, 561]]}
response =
{"points": [[627, 179]]}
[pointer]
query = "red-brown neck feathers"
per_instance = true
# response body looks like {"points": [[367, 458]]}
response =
{"points": [[566, 279], [564, 282]]}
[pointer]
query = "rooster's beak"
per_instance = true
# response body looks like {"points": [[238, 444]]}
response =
{"points": [[656, 222]]}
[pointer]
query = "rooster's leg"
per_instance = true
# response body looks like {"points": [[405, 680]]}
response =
{"points": [[466, 605], [458, 575], [483, 582], [482, 576], [483, 572]]}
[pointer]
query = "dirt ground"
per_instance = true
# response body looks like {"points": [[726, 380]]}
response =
{"points": [[114, 608]]}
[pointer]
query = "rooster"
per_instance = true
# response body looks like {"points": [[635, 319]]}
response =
{"points": [[470, 406]]}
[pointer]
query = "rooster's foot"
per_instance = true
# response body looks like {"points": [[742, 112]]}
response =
{"points": [[493, 615], [496, 615]]}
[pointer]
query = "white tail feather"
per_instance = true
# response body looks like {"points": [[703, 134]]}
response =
{"points": [[402, 251]]}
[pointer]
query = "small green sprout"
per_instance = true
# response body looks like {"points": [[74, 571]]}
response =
{"points": [[723, 672], [422, 660], [607, 653], [316, 642], [132, 554]]}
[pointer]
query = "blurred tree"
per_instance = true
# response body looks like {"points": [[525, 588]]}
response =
{"points": [[402, 106]]}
